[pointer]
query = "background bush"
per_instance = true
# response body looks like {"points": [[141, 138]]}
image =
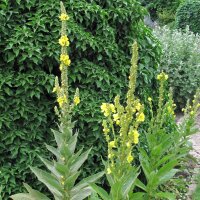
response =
{"points": [[101, 35], [161, 10], [180, 60], [188, 15]]}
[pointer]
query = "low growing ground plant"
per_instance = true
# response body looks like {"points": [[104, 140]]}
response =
{"points": [[64, 170]]}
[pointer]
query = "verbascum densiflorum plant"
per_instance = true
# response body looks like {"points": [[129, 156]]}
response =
{"points": [[64, 171], [166, 145], [120, 128]]}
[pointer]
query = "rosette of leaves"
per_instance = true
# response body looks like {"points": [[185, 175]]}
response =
{"points": [[65, 169]]}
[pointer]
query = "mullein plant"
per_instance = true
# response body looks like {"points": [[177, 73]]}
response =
{"points": [[167, 145], [120, 128], [64, 171]]}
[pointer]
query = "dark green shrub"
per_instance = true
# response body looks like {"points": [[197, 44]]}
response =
{"points": [[188, 15], [161, 10], [101, 33]]}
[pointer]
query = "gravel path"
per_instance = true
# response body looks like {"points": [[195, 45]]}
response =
{"points": [[195, 139]]}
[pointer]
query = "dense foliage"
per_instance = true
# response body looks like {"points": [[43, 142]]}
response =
{"points": [[188, 15], [100, 33], [161, 10], [180, 60]]}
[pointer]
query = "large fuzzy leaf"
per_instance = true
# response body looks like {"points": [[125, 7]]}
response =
{"points": [[101, 192], [79, 161], [32, 195], [50, 181], [83, 183]]}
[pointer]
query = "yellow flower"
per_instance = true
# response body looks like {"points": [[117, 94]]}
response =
{"points": [[65, 59], [109, 170], [130, 158], [61, 100], [115, 117], [104, 109], [112, 144], [64, 41], [54, 89], [128, 144], [118, 122], [162, 76], [110, 155], [140, 117], [62, 182], [64, 17], [112, 107], [135, 137], [149, 99], [106, 130], [192, 112], [76, 100], [138, 106]]}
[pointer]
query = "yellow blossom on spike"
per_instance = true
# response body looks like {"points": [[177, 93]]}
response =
{"points": [[135, 137], [149, 99], [115, 117], [104, 109], [65, 59], [109, 171], [138, 106], [192, 112], [128, 144], [54, 89], [64, 17], [61, 100], [112, 107], [64, 41], [112, 144], [140, 117], [162, 76], [62, 183], [76, 100], [118, 122], [130, 158]]}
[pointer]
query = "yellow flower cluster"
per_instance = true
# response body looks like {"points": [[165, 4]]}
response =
{"points": [[76, 100], [64, 17], [129, 158], [64, 41], [61, 100], [107, 109], [140, 117], [162, 76], [121, 123], [64, 58]]}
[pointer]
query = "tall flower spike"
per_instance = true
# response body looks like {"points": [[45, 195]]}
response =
{"points": [[133, 73]]}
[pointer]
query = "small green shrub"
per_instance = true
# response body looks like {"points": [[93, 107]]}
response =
{"points": [[180, 60], [188, 15]]}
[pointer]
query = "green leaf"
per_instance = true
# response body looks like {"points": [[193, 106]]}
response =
{"points": [[50, 181], [100, 191], [129, 183], [86, 181], [166, 195], [139, 184], [32, 195], [82, 194], [79, 161]]}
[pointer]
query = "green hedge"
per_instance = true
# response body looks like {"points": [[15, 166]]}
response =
{"points": [[188, 15], [101, 35]]}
